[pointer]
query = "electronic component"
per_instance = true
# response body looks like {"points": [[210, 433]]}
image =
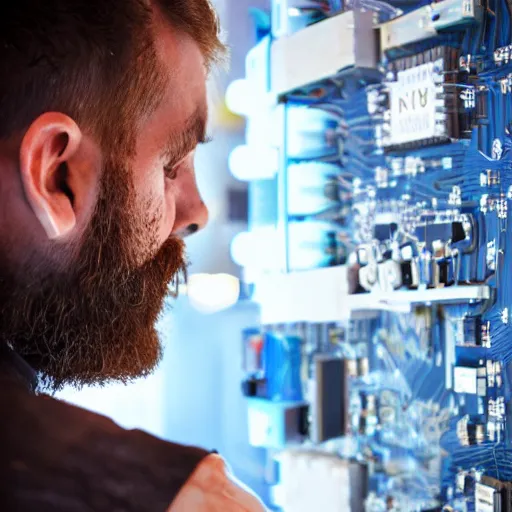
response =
{"points": [[427, 21], [329, 405], [276, 424], [320, 481], [422, 111], [282, 351], [335, 44], [317, 295], [487, 498], [289, 16], [472, 330], [465, 380], [403, 300], [405, 189], [252, 351], [469, 432], [264, 357], [492, 495]]}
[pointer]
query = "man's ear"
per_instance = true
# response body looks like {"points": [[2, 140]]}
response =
{"points": [[57, 173]]}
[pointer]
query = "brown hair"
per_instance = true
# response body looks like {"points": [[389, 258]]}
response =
{"points": [[91, 59]]}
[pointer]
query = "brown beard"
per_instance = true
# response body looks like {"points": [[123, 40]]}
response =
{"points": [[95, 322]]}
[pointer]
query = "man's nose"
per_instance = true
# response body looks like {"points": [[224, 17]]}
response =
{"points": [[191, 212]]}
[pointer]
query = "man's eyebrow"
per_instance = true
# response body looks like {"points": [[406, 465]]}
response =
{"points": [[181, 143]]}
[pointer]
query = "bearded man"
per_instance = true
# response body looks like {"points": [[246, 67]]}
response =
{"points": [[102, 105]]}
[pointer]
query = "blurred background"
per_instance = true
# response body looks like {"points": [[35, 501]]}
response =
{"points": [[194, 397]]}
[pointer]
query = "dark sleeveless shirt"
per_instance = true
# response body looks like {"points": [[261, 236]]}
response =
{"points": [[57, 457]]}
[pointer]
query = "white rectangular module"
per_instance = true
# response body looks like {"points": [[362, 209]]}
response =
{"points": [[311, 296], [312, 480], [464, 380], [322, 50], [426, 21], [486, 498], [406, 29], [322, 295], [402, 300]]}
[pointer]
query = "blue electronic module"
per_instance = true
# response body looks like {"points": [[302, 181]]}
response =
{"points": [[401, 171]]}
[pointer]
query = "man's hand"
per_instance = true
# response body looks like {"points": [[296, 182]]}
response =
{"points": [[212, 488]]}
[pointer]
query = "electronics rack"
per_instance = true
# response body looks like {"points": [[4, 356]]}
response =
{"points": [[378, 156]]}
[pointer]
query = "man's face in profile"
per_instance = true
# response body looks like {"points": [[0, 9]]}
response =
{"points": [[89, 317]]}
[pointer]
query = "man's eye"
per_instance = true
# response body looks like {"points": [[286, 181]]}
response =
{"points": [[171, 171]]}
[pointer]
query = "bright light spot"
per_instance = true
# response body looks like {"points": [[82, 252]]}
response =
{"points": [[294, 12], [257, 250], [210, 293], [247, 163], [239, 97], [244, 248]]}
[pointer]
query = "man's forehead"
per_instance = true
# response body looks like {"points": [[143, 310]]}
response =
{"points": [[174, 47], [182, 109], [185, 70], [182, 64]]}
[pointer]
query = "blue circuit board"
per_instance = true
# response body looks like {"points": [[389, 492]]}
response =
{"points": [[423, 204]]}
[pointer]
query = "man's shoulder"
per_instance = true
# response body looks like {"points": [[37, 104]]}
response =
{"points": [[45, 417], [52, 451]]}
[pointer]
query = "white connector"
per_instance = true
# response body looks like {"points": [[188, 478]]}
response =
{"points": [[322, 50]]}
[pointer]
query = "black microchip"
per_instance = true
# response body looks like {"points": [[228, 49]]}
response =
{"points": [[407, 276], [382, 232], [433, 232], [254, 388], [456, 118], [330, 410], [472, 326], [458, 233], [445, 276], [358, 485]]}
